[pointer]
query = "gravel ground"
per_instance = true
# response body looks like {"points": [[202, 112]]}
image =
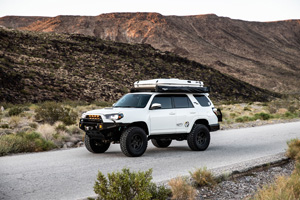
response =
{"points": [[245, 186], [256, 123]]}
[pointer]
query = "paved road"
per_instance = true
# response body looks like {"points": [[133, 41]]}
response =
{"points": [[70, 174]]}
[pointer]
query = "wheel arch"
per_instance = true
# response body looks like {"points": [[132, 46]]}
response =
{"points": [[204, 122], [142, 125]]}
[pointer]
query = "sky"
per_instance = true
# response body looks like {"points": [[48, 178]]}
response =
{"points": [[248, 10]]}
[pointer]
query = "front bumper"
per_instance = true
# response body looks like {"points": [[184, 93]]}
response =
{"points": [[92, 124]]}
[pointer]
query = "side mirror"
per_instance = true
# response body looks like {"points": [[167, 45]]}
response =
{"points": [[155, 106]]}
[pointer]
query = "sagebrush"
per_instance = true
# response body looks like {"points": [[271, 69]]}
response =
{"points": [[127, 185], [51, 112]]}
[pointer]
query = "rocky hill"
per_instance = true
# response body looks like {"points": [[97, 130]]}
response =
{"points": [[48, 66], [265, 54]]}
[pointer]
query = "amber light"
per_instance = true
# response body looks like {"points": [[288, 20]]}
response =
{"points": [[93, 116]]}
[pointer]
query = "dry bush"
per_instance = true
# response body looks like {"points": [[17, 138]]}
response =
{"points": [[203, 177], [51, 112], [14, 121], [24, 142], [47, 131], [181, 189], [293, 150], [285, 187]]}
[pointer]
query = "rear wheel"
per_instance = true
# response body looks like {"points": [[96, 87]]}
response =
{"points": [[95, 146], [199, 138], [133, 142], [161, 143]]}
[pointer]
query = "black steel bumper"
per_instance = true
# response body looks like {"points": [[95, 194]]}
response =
{"points": [[214, 127]]}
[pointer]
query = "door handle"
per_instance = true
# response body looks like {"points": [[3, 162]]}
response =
{"points": [[193, 112], [172, 113]]}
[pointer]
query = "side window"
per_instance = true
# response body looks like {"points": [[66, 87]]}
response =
{"points": [[182, 102], [203, 100], [165, 101]]}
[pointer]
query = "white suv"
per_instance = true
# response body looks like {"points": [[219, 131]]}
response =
{"points": [[160, 116]]}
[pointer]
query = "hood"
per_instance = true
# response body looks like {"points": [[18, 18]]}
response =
{"points": [[104, 111]]}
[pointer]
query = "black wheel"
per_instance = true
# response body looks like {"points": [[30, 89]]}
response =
{"points": [[95, 146], [199, 138], [161, 143], [133, 142]]}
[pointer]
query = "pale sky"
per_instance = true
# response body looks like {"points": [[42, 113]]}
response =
{"points": [[249, 10]]}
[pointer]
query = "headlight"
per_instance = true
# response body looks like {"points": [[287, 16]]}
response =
{"points": [[83, 115], [115, 116]]}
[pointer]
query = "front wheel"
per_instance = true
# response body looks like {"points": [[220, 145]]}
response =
{"points": [[133, 142], [94, 145], [161, 143], [199, 138]]}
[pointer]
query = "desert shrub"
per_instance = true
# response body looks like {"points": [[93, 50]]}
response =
{"points": [[125, 185], [6, 105], [290, 115], [293, 108], [247, 109], [159, 192], [74, 130], [24, 142], [14, 121], [4, 126], [33, 125], [50, 112], [232, 115], [61, 127], [16, 110], [181, 189], [244, 119], [262, 116], [203, 177], [293, 150]]}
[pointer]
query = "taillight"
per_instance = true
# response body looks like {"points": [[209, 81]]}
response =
{"points": [[218, 113]]}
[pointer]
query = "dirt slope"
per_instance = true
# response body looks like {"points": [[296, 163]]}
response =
{"points": [[265, 54], [48, 66]]}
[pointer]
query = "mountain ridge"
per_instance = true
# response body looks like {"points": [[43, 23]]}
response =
{"points": [[264, 54]]}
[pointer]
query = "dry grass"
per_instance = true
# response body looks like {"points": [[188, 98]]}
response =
{"points": [[294, 149], [285, 187], [181, 189], [203, 177], [245, 112], [14, 121], [47, 131]]}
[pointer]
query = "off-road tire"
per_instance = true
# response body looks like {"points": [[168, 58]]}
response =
{"points": [[161, 143], [133, 142], [94, 145], [199, 138]]}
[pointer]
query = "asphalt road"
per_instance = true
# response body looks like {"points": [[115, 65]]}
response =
{"points": [[70, 174]]}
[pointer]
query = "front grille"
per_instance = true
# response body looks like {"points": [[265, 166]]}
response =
{"points": [[99, 120]]}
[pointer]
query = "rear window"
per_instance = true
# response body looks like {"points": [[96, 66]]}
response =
{"points": [[202, 100], [182, 102]]}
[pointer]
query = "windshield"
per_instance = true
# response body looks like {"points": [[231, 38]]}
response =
{"points": [[133, 101]]}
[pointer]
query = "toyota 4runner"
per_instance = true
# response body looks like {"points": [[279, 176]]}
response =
{"points": [[159, 110]]}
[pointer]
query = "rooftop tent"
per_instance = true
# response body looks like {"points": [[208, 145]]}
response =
{"points": [[170, 85]]}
